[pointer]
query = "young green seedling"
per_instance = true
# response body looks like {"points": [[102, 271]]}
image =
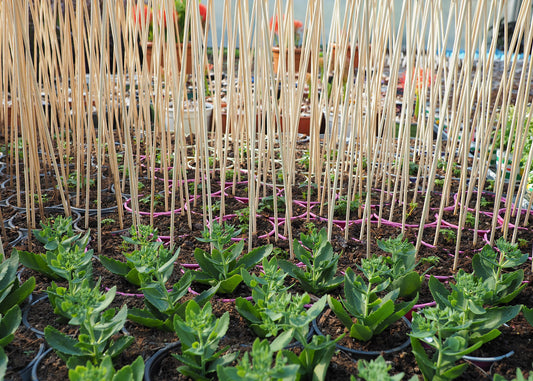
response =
{"points": [[316, 253], [200, 333], [222, 267], [372, 313], [259, 365], [490, 267]]}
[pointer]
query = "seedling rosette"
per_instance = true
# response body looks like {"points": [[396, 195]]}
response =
{"points": [[372, 314], [320, 263], [222, 267]]}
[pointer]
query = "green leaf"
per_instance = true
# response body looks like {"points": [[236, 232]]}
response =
{"points": [[8, 270], [282, 340], [117, 347], [484, 338], [223, 360], [36, 262], [170, 262], [316, 308], [340, 312], [254, 257], [114, 266], [137, 368], [427, 367], [9, 323], [361, 332], [134, 277], [377, 316], [61, 342], [18, 295], [409, 284], [229, 285], [207, 267], [3, 363], [480, 265], [158, 296], [439, 292], [291, 269], [454, 372], [144, 317], [497, 316], [528, 314], [247, 310], [205, 296]]}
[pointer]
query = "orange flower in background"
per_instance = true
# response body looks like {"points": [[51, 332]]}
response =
{"points": [[298, 24]]}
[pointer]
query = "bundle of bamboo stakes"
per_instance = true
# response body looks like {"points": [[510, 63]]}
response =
{"points": [[103, 104]]}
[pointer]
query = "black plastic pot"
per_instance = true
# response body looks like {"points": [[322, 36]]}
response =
{"points": [[11, 224], [26, 311], [368, 354], [25, 373], [93, 212], [20, 237], [10, 201], [37, 362], [154, 361], [486, 363]]}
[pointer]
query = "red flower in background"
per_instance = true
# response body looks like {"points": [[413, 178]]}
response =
{"points": [[276, 24], [298, 29], [297, 24], [203, 12], [138, 11], [422, 74], [161, 19], [162, 16]]}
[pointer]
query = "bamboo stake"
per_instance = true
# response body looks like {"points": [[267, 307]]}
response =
{"points": [[444, 108]]}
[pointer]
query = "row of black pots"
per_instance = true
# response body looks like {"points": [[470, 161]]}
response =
{"points": [[92, 211], [11, 222], [153, 363]]}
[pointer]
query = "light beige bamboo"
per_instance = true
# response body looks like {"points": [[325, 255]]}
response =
{"points": [[453, 63], [505, 85], [518, 119]]}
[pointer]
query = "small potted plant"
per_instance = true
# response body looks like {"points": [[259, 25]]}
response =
{"points": [[144, 16], [298, 38]]}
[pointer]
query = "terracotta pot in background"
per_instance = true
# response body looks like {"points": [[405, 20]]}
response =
{"points": [[297, 57], [348, 56], [179, 49]]}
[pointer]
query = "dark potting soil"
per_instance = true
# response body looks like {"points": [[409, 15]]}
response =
{"points": [[10, 236], [21, 351], [19, 219], [393, 336], [342, 366], [517, 331], [41, 314], [107, 200], [518, 337], [7, 212]]}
